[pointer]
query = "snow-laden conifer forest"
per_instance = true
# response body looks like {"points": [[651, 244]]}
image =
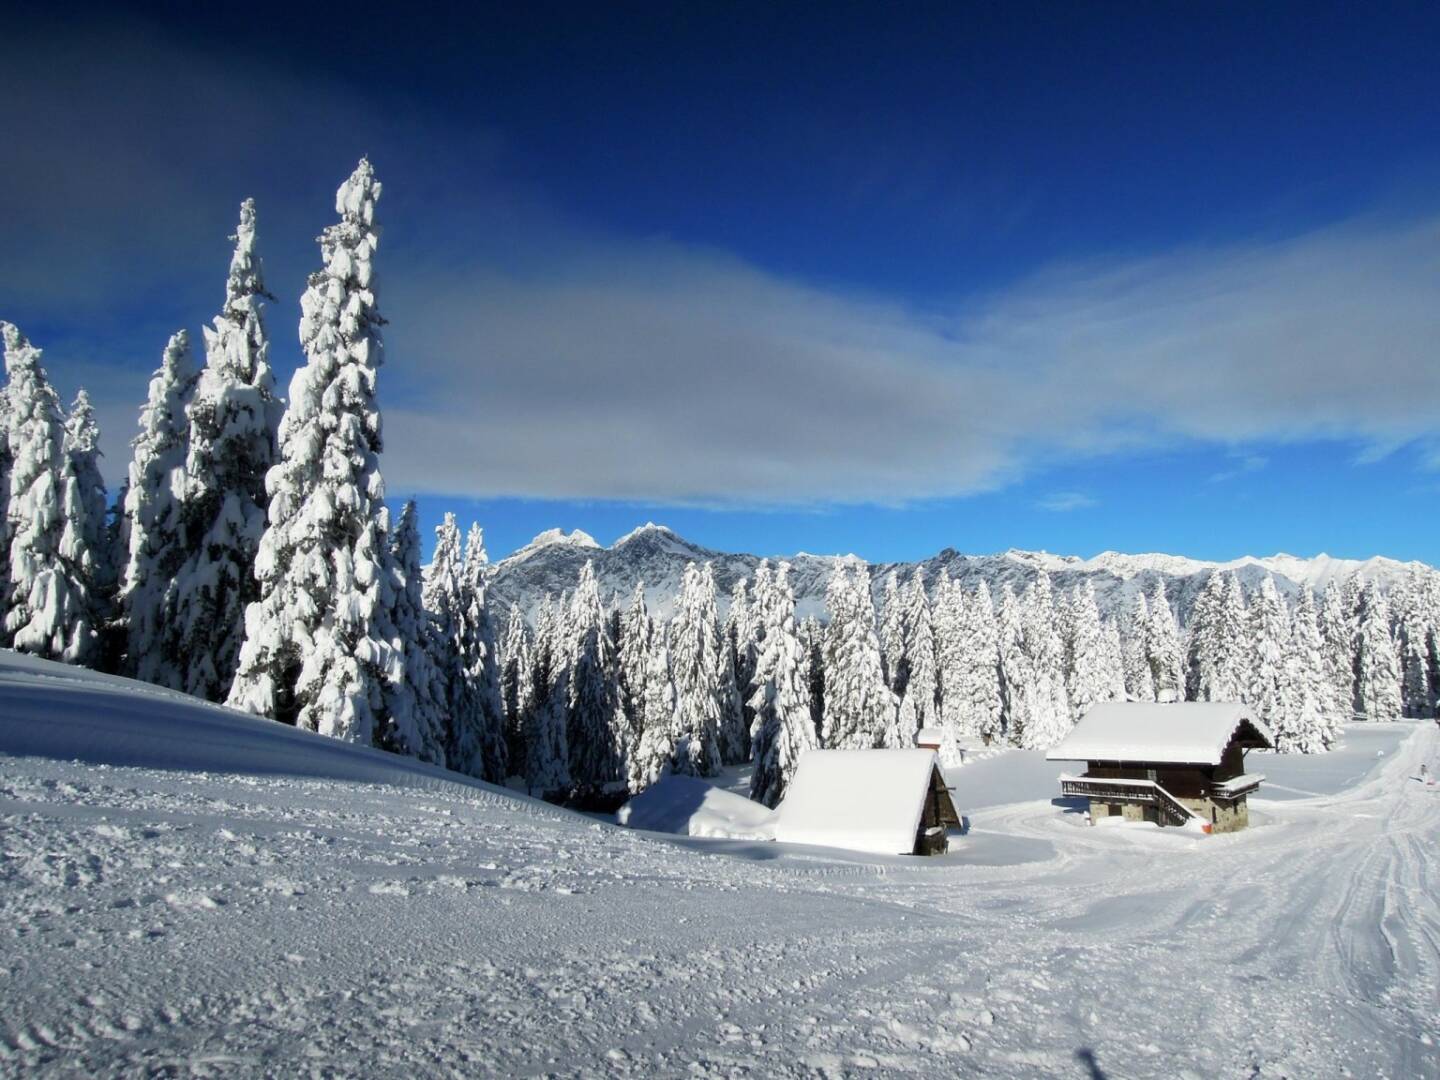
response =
{"points": [[250, 557]]}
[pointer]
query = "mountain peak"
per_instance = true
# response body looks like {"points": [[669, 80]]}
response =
{"points": [[648, 528]]}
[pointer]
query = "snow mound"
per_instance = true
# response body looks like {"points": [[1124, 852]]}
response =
{"points": [[691, 807], [71, 714]]}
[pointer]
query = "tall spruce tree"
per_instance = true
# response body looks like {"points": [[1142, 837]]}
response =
{"points": [[597, 731], [49, 610], [1219, 647], [317, 652], [636, 630], [780, 693], [968, 643], [1162, 646], [1093, 670], [1139, 675], [1307, 728], [416, 704], [85, 534], [892, 634], [479, 732], [1269, 691], [1337, 629], [547, 756], [861, 711], [155, 542], [1377, 661], [232, 418], [516, 691], [922, 681], [1032, 658], [656, 749], [695, 663]]}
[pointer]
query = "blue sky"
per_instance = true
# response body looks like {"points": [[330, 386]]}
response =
{"points": [[870, 278]]}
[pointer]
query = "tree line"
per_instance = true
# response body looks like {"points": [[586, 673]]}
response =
{"points": [[249, 558]]}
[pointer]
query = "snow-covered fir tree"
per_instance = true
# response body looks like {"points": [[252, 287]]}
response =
{"points": [[1337, 629], [154, 540], [656, 749], [85, 533], [968, 644], [892, 634], [921, 683], [1032, 659], [636, 630], [547, 756], [49, 610], [812, 637], [597, 731], [1219, 644], [780, 693], [1269, 691], [1163, 650], [1377, 661], [861, 712], [734, 731], [1139, 676], [1307, 729], [416, 705], [7, 460], [515, 688], [740, 638], [695, 664], [1093, 668], [1413, 631], [316, 653], [232, 418]]}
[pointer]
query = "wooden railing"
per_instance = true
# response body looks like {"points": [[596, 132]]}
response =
{"points": [[1124, 789]]}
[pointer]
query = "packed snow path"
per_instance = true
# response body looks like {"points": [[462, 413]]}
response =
{"points": [[181, 921]]}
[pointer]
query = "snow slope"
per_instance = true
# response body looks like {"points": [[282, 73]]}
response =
{"points": [[339, 912]]}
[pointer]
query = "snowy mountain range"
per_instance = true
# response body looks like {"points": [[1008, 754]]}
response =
{"points": [[550, 565]]}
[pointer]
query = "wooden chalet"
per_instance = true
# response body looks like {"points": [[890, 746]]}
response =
{"points": [[886, 802], [1171, 764]]}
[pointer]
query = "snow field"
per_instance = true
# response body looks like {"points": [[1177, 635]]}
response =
{"points": [[186, 920]]}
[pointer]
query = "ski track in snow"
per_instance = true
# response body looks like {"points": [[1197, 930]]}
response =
{"points": [[168, 922]]}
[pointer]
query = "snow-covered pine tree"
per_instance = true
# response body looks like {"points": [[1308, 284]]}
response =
{"points": [[1412, 641], [1040, 710], [1093, 671], [444, 604], [49, 610], [515, 689], [83, 538], [155, 543], [780, 693], [1377, 662], [636, 630], [739, 634], [477, 730], [1162, 645], [547, 756], [316, 653], [734, 732], [656, 749], [597, 732], [861, 712], [967, 641], [1337, 629], [695, 664], [1219, 647], [812, 637], [232, 418], [892, 635], [1139, 676], [922, 684], [416, 705], [1269, 691], [1307, 728]]}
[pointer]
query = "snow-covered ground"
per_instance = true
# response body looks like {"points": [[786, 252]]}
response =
{"points": [[168, 908]]}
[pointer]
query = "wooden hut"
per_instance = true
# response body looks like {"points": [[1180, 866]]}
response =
{"points": [[887, 802], [1171, 764]]}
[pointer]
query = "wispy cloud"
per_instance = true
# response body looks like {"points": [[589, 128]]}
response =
{"points": [[1064, 501], [1244, 465]]}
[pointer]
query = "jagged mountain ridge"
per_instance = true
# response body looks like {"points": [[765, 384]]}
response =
{"points": [[550, 564]]}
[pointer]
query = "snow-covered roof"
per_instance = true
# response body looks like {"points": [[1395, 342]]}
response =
{"points": [[865, 800], [1187, 732], [929, 736]]}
